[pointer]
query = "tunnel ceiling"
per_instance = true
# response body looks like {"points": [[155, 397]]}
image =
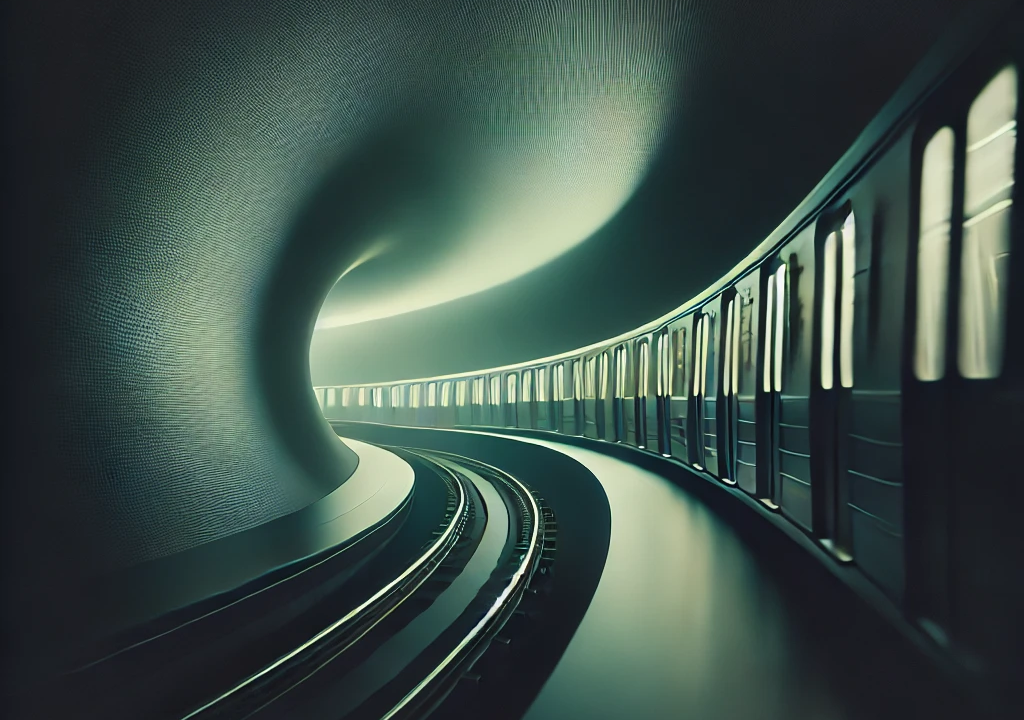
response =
{"points": [[642, 148]]}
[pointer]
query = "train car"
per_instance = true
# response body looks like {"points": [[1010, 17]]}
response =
{"points": [[858, 374]]}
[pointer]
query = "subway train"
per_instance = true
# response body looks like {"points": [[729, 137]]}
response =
{"points": [[860, 374]]}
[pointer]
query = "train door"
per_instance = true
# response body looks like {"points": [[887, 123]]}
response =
{"points": [[525, 405], [704, 423], [677, 403], [745, 380], [605, 412], [622, 397], [730, 376], [511, 395], [966, 395], [788, 348], [545, 411], [590, 407], [664, 391], [497, 418], [831, 412], [463, 410], [774, 294], [575, 410], [647, 399]]}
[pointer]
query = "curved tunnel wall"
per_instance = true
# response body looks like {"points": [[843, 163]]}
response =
{"points": [[188, 179]]}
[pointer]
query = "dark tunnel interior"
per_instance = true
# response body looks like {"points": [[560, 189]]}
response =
{"points": [[492, 182]]}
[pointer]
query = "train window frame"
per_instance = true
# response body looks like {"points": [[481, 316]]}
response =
{"points": [[619, 387], [781, 289], [511, 383], [828, 313], [602, 387], [415, 395], [377, 397], [362, 397], [643, 368], [446, 393], [527, 386], [496, 390], [542, 384], [396, 396], [577, 381], [982, 319], [847, 300], [934, 238], [460, 393]]}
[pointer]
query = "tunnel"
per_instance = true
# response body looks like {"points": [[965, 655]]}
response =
{"points": [[538, 359]]}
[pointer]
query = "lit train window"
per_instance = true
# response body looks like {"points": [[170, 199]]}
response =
{"points": [[847, 300], [933, 256], [746, 328], [511, 380], [698, 355], [527, 385], [396, 397], [378, 397], [560, 382], [590, 379], [641, 381], [495, 390], [478, 391], [362, 397], [620, 372], [780, 320], [577, 380], [346, 396], [431, 394], [988, 198], [603, 386], [734, 307], [727, 341], [415, 400], [446, 393], [705, 338], [769, 317], [828, 314], [460, 393], [663, 363], [542, 385], [332, 397], [677, 386]]}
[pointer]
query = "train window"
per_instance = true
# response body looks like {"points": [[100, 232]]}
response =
{"points": [[478, 391], [510, 381], [678, 374], [698, 354], [446, 393], [847, 298], [734, 366], [641, 381], [727, 342], [988, 197], [705, 334], [346, 394], [559, 393], [620, 372], [378, 397], [495, 390], [828, 315], [767, 385], [527, 385], [542, 384], [590, 379], [332, 397], [431, 394], [577, 380], [603, 387], [780, 319], [416, 390], [933, 256], [362, 397], [665, 364], [746, 329], [460, 393], [396, 396]]}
